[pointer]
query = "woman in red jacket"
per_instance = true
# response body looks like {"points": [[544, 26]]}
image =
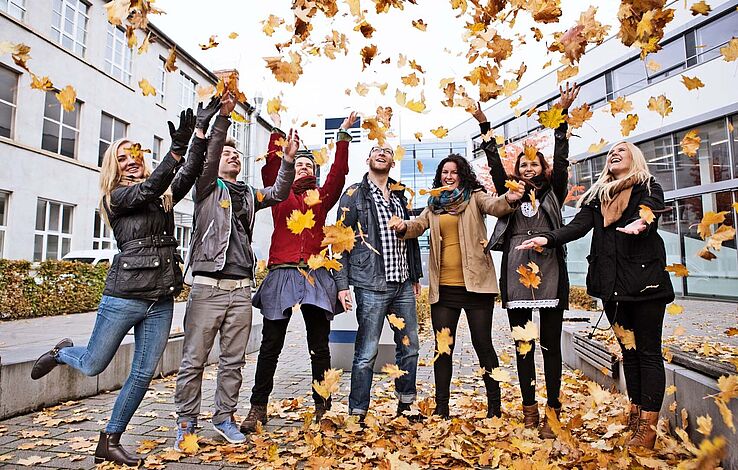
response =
{"points": [[286, 285]]}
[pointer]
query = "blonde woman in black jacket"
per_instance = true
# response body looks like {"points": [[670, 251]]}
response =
{"points": [[626, 270]]}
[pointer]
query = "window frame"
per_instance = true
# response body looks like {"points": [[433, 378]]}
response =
{"points": [[102, 141], [46, 231], [156, 151], [162, 85], [58, 32], [186, 79], [14, 105], [62, 125], [5, 200], [102, 234], [120, 71], [18, 5]]}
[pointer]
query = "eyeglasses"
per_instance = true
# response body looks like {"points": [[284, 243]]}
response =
{"points": [[388, 151]]}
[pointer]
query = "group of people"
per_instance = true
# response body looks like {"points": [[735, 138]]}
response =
{"points": [[626, 270]]}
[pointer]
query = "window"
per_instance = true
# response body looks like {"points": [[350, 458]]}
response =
{"points": [[61, 128], [118, 54], [183, 233], [8, 87], [3, 221], [53, 236], [593, 92], [712, 162], [162, 85], [15, 8], [669, 231], [102, 238], [672, 59], [629, 77], [69, 24], [111, 129], [186, 92], [156, 151], [733, 127], [659, 155], [715, 34]]}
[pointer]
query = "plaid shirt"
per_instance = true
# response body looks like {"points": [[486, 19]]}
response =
{"points": [[393, 248]]}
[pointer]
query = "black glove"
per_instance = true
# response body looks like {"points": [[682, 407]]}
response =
{"points": [[204, 115], [181, 136]]}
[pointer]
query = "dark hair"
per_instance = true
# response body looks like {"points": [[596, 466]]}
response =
{"points": [[231, 142], [305, 154], [545, 167], [467, 177]]}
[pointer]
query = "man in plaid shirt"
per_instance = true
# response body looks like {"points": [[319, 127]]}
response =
{"points": [[384, 271]]}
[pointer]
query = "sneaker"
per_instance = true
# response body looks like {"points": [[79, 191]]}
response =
{"points": [[183, 429], [229, 431]]}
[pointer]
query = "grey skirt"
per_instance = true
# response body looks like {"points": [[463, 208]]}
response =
{"points": [[285, 287]]}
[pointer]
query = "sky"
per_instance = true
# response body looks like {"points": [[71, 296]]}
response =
{"points": [[320, 91]]}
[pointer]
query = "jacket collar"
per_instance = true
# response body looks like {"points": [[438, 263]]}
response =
{"points": [[365, 186]]}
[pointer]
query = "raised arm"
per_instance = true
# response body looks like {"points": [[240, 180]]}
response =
{"points": [[498, 206], [560, 172], [280, 190], [494, 162], [270, 170], [208, 179], [331, 189]]}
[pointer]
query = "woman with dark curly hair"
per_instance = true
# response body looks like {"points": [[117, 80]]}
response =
{"points": [[459, 269]]}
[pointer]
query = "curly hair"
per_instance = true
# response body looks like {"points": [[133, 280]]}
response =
{"points": [[467, 177]]}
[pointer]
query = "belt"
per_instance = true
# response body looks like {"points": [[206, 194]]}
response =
{"points": [[153, 240], [223, 284]]}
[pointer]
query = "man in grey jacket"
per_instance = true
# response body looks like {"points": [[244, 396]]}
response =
{"points": [[222, 263]]}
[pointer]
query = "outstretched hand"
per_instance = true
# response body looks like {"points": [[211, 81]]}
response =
{"points": [[568, 95], [532, 243], [293, 145], [634, 228], [182, 134], [227, 104], [349, 121], [478, 114], [516, 194], [206, 113]]}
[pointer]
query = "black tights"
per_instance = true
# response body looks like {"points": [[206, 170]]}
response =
{"points": [[551, 319], [480, 326], [645, 378]]}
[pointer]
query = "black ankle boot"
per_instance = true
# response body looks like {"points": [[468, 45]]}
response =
{"points": [[413, 418], [320, 408], [109, 448], [494, 401], [47, 362], [442, 409]]}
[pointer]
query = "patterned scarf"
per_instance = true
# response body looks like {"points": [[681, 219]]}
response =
{"points": [[304, 184], [450, 202]]}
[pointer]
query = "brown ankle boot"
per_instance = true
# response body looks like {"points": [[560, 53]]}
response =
{"points": [[635, 412], [257, 413], [546, 432], [531, 416], [109, 449], [645, 436]]}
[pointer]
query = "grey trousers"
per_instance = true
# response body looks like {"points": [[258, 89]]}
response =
{"points": [[211, 310]]}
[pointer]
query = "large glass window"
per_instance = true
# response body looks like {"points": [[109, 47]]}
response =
{"points": [[183, 233], [186, 92], [156, 151], [593, 92], [102, 238], [15, 8], [111, 129], [672, 59], [8, 88], [712, 162], [118, 54], [3, 221], [61, 128], [669, 231], [53, 235], [715, 34], [659, 155], [629, 77], [69, 24]]}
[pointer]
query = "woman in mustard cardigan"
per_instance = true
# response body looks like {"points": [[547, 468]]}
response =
{"points": [[461, 274]]}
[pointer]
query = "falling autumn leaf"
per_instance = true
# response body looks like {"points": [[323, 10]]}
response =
{"points": [[440, 132], [339, 237], [299, 221], [233, 35], [679, 270], [526, 333], [212, 42], [501, 375], [117, 11], [674, 309], [238, 117], [661, 105], [420, 24], [730, 50], [419, 164], [700, 8], [704, 425], [620, 105], [169, 65], [628, 124], [393, 371], [529, 275], [312, 197], [285, 71], [597, 147], [691, 142], [625, 336], [67, 97], [692, 83], [146, 87], [646, 214], [579, 115], [204, 92], [710, 218], [330, 383], [552, 118]]}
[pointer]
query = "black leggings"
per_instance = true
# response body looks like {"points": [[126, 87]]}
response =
{"points": [[480, 326], [645, 378], [550, 334]]}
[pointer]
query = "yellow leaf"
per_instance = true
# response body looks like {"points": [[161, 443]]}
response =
{"points": [[646, 214], [260, 196], [261, 266], [671, 390], [679, 270], [566, 72], [527, 333], [190, 444], [710, 218], [674, 309], [233, 35], [420, 24], [661, 105], [419, 136], [299, 221], [620, 105], [204, 92], [725, 413], [524, 348], [440, 132], [238, 117], [312, 197], [41, 83], [117, 11], [393, 371], [692, 83], [146, 87], [501, 375], [700, 8], [552, 118], [169, 65], [419, 164], [396, 321], [406, 340], [444, 340], [285, 71], [225, 203], [597, 147], [275, 106], [67, 97], [339, 237], [399, 153], [330, 383], [728, 385], [625, 336], [691, 142], [435, 192], [628, 124], [653, 66], [730, 50], [212, 42], [704, 425], [514, 186]]}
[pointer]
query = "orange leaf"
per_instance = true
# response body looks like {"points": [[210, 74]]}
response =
{"points": [[41, 83], [692, 83], [67, 97], [661, 105], [679, 270], [691, 142], [514, 186], [646, 214]]}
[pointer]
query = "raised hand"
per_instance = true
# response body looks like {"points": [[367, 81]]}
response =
{"points": [[227, 104], [479, 114], [568, 95], [349, 121], [634, 228], [182, 134], [516, 194], [293, 145], [205, 114], [532, 243]]}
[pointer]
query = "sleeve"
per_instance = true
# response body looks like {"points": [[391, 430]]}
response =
{"points": [[493, 205], [350, 219], [582, 223], [654, 199], [417, 226], [494, 162], [130, 197], [207, 181], [560, 172], [270, 170], [191, 169], [331, 190], [280, 190]]}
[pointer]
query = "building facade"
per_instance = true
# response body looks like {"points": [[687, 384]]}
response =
{"points": [[50, 157], [693, 185]]}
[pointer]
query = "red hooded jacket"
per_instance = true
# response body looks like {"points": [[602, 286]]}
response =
{"points": [[286, 247]]}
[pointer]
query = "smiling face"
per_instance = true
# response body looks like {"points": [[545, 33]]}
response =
{"points": [[304, 166], [381, 159], [128, 166], [450, 175], [619, 160], [230, 163], [528, 168]]}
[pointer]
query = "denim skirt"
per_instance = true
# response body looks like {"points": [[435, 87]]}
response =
{"points": [[284, 287]]}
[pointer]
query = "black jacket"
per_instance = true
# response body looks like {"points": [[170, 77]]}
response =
{"points": [[550, 207], [362, 267], [147, 266], [621, 266]]}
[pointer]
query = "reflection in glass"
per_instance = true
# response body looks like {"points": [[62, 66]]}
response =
{"points": [[712, 162], [659, 154]]}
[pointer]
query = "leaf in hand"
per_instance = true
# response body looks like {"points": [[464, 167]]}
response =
{"points": [[299, 221], [646, 214]]}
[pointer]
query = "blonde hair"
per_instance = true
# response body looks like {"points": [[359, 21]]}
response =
{"points": [[110, 177], [602, 189]]}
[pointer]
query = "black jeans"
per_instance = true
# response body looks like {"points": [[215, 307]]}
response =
{"points": [[480, 326], [318, 327], [550, 337], [645, 378]]}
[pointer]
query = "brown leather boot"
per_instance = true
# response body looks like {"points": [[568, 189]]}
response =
{"points": [[645, 436], [257, 413], [635, 412], [109, 449], [531, 416], [546, 432]]}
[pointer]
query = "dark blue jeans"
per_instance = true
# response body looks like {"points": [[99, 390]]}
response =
{"points": [[371, 309], [151, 321]]}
